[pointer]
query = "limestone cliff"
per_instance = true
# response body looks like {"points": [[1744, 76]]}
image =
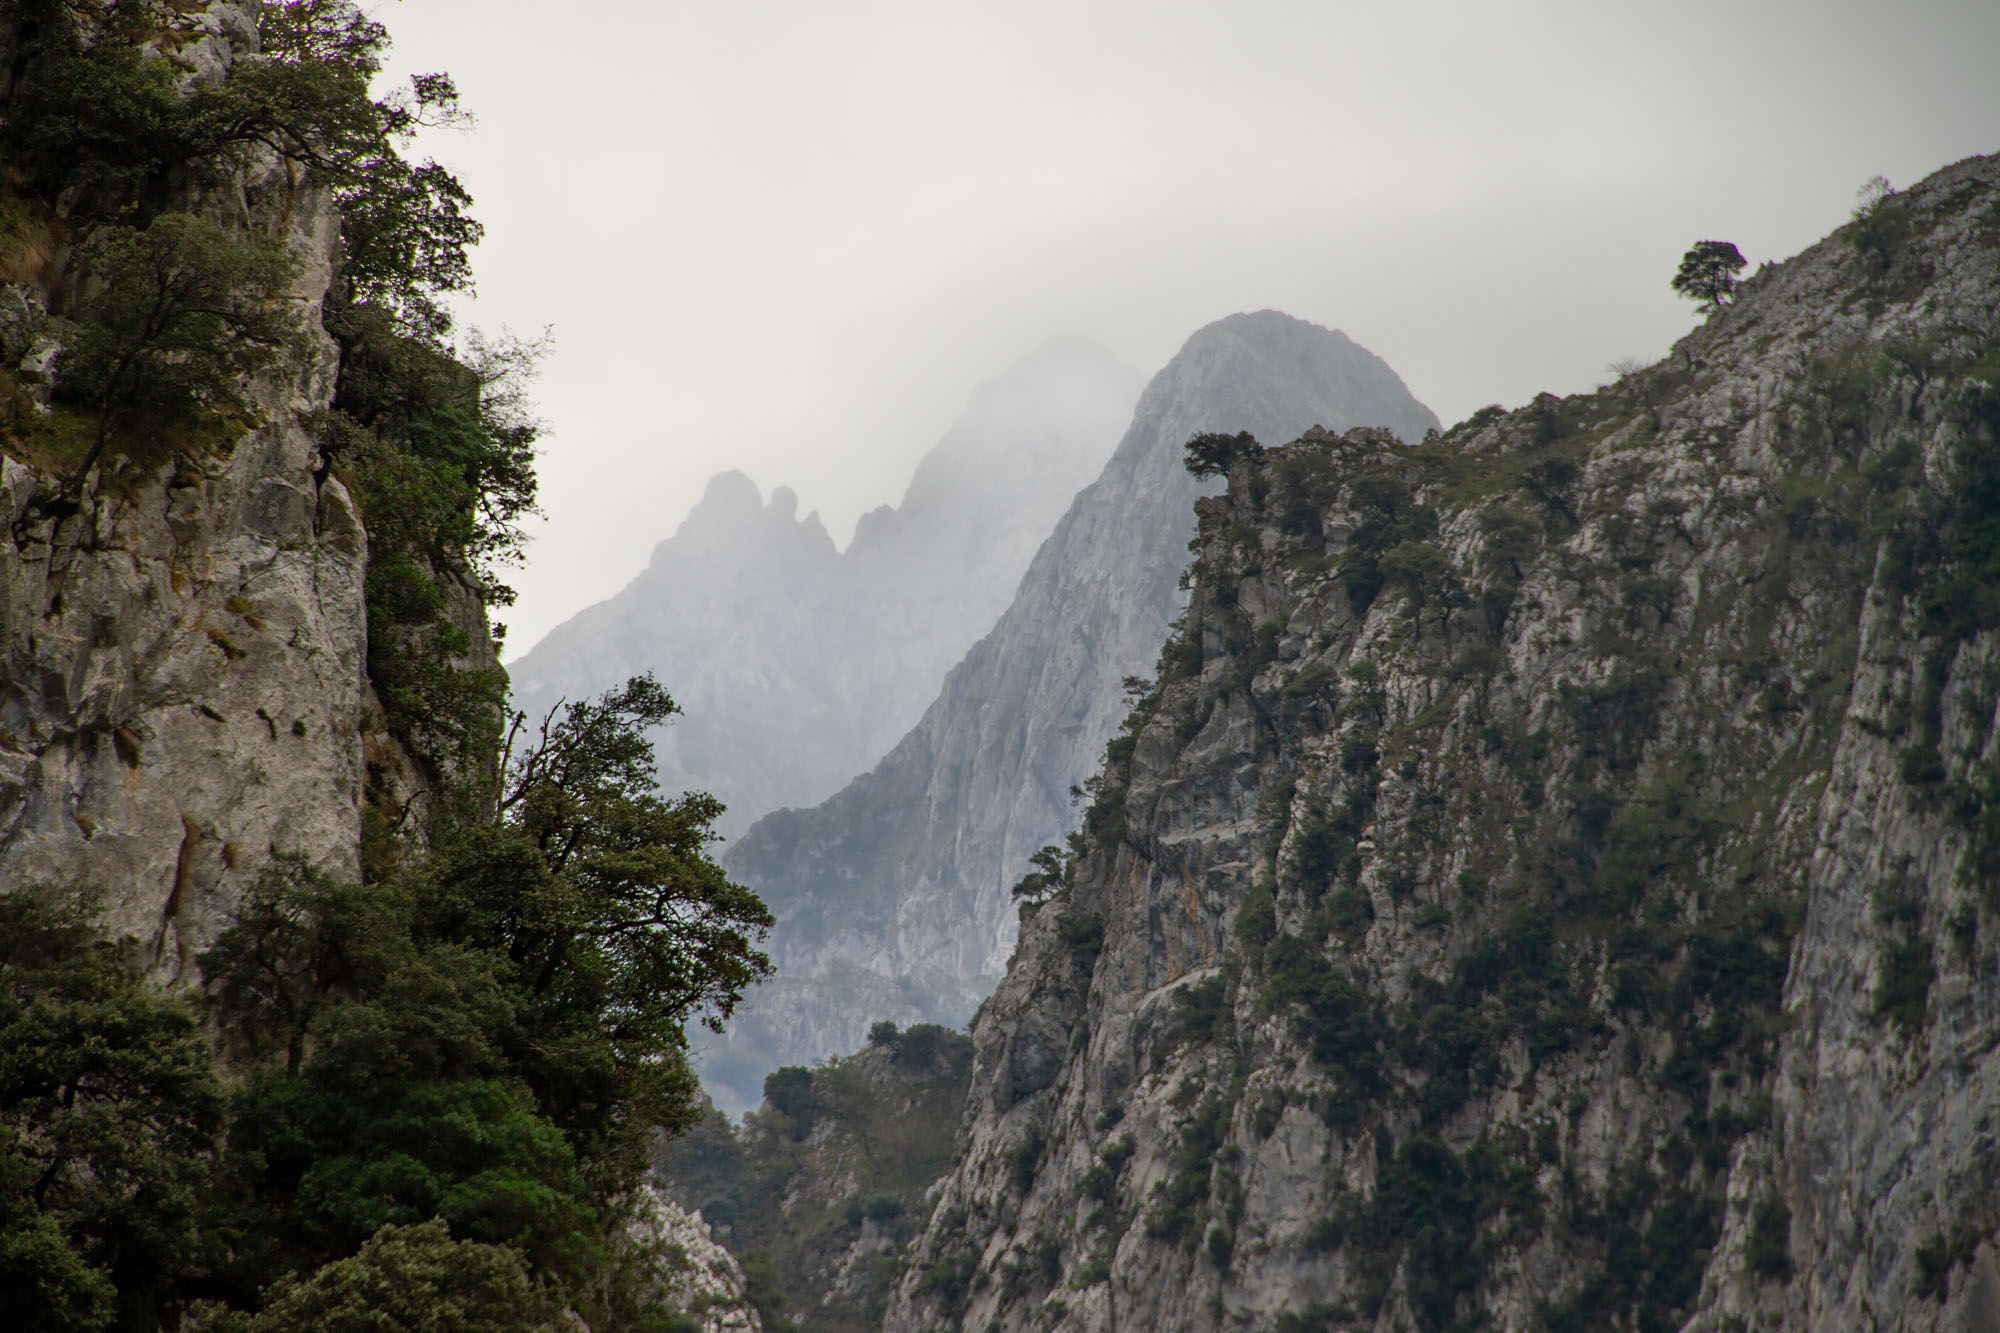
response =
{"points": [[798, 665], [182, 688], [892, 896], [1553, 880]]}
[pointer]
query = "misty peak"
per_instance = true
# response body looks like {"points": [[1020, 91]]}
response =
{"points": [[731, 490]]}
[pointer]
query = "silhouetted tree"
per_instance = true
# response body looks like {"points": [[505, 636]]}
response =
{"points": [[1708, 273]]}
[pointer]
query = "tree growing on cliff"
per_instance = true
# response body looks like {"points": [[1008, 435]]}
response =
{"points": [[176, 315], [1708, 273], [1210, 454], [1049, 877]]}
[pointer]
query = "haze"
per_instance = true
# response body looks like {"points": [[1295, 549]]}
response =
{"points": [[791, 237]]}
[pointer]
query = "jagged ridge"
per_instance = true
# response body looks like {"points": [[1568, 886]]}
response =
{"points": [[892, 896], [1553, 881]]}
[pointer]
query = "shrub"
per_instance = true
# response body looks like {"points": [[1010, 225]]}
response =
{"points": [[177, 314], [1902, 992], [1201, 1008], [1767, 1251], [791, 1094]]}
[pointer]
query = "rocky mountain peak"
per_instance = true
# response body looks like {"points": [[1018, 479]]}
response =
{"points": [[892, 896], [798, 664], [1550, 881]]}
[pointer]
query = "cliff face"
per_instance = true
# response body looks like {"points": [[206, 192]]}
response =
{"points": [[892, 897], [798, 665], [182, 684], [825, 1183], [1553, 882]]}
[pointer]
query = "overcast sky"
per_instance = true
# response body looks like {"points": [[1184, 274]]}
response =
{"points": [[790, 237]]}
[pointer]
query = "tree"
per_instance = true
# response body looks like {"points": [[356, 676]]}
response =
{"points": [[1881, 222], [1421, 568], [1210, 454], [109, 1112], [174, 316], [617, 925], [1708, 273], [405, 1279], [1049, 877]]}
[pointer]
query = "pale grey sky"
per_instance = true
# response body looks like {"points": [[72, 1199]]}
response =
{"points": [[789, 236]]}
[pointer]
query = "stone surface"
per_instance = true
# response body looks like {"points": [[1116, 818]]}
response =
{"points": [[697, 1277], [892, 897], [797, 665], [1519, 946], [182, 659]]}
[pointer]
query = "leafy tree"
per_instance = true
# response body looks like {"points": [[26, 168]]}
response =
{"points": [[1708, 273], [177, 313], [1881, 222], [1210, 455], [618, 924], [405, 1279], [1421, 568], [1511, 540], [493, 1036], [109, 1112], [1049, 877]]}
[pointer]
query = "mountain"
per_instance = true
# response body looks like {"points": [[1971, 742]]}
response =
{"points": [[826, 1186], [797, 665], [892, 896], [1554, 880]]}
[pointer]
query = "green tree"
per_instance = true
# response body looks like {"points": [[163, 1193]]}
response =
{"points": [[618, 924], [1708, 273], [109, 1112], [1423, 571], [405, 1279], [1210, 454], [1049, 877], [175, 316], [1881, 222]]}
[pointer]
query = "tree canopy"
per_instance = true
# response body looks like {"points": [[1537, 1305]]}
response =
{"points": [[441, 1082], [1708, 273]]}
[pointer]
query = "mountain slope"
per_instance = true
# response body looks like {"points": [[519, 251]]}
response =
{"points": [[1555, 880], [798, 665], [892, 896]]}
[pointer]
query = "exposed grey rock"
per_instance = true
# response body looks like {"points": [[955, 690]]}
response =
{"points": [[797, 665], [182, 658], [892, 897], [1596, 917], [695, 1276]]}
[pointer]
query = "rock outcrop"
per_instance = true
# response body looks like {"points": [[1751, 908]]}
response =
{"points": [[182, 687], [892, 897], [698, 1279], [1555, 879], [827, 1182], [797, 665]]}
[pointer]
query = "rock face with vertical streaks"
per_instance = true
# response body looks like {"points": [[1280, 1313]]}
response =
{"points": [[892, 896], [182, 658], [798, 665], [1554, 880]]}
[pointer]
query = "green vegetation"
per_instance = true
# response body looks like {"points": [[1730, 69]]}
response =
{"points": [[840, 1152], [1881, 223], [424, 1101], [1211, 455], [459, 1070], [1768, 1251], [1708, 273], [1940, 1253], [165, 317], [179, 315]]}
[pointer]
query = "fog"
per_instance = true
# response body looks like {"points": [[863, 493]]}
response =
{"points": [[791, 238]]}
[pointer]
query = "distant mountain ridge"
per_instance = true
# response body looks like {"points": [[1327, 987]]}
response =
{"points": [[799, 664], [892, 896]]}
